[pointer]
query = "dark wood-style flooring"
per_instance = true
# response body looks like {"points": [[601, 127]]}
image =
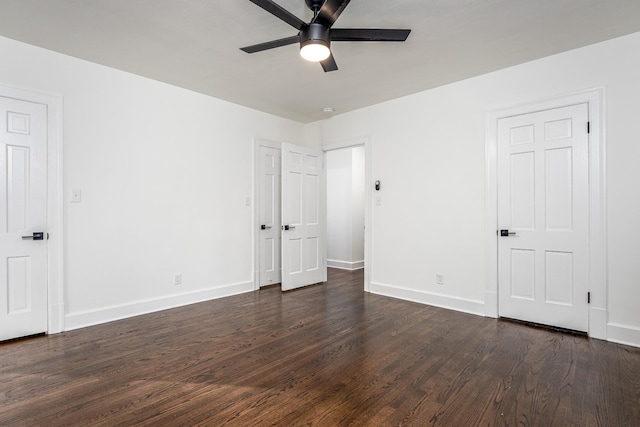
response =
{"points": [[326, 355]]}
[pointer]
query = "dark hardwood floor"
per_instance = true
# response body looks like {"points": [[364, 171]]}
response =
{"points": [[324, 355]]}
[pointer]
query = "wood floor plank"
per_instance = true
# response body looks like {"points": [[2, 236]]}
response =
{"points": [[324, 355]]}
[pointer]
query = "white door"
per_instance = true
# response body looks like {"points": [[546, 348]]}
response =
{"points": [[543, 216], [269, 215], [23, 191], [303, 217]]}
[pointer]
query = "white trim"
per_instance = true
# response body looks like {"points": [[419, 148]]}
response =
{"points": [[109, 314], [597, 322], [345, 265], [347, 143], [597, 232], [429, 298], [491, 215], [623, 334], [55, 263], [490, 302], [368, 174]]}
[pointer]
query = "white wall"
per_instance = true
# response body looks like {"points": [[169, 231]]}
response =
{"points": [[345, 208], [164, 174], [428, 149]]}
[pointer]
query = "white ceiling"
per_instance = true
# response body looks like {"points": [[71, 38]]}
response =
{"points": [[195, 44]]}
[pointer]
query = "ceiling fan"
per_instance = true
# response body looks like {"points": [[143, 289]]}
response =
{"points": [[316, 36]]}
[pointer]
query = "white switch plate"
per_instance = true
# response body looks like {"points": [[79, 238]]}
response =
{"points": [[76, 196], [378, 200], [177, 280], [247, 201], [440, 279]]}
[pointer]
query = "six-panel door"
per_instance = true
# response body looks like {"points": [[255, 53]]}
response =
{"points": [[303, 217], [23, 261], [543, 199]]}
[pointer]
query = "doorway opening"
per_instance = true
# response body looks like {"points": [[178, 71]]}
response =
{"points": [[268, 217], [362, 156], [345, 207]]}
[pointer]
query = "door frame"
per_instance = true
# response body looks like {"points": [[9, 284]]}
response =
{"points": [[336, 145], [364, 141], [597, 201], [255, 234], [55, 253]]}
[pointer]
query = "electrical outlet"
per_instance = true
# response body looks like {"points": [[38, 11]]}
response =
{"points": [[177, 280], [439, 279]]}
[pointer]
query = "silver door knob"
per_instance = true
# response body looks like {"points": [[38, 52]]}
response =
{"points": [[37, 235]]}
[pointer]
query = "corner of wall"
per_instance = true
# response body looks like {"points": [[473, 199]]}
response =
{"points": [[313, 134]]}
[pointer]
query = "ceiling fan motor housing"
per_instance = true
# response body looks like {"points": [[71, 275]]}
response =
{"points": [[315, 37], [314, 4], [315, 34]]}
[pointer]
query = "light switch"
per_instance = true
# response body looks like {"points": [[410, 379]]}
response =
{"points": [[76, 196], [378, 200]]}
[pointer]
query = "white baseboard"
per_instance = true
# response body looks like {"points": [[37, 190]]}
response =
{"points": [[437, 300], [109, 314], [598, 323], [491, 304], [345, 265], [56, 319], [623, 334]]}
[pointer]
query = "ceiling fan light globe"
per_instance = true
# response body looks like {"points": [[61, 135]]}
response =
{"points": [[315, 52]]}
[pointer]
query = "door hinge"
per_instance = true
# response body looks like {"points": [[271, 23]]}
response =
{"points": [[588, 127], [588, 297]]}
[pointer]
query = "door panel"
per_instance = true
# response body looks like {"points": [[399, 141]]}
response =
{"points": [[23, 262], [303, 217], [558, 189], [523, 190], [559, 277], [269, 215], [522, 274], [543, 198]]}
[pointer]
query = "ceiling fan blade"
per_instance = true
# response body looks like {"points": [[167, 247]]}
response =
{"points": [[368, 35], [330, 11], [281, 13], [270, 45], [329, 64]]}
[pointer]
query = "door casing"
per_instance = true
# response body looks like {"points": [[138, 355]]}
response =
{"points": [[597, 202], [55, 270]]}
